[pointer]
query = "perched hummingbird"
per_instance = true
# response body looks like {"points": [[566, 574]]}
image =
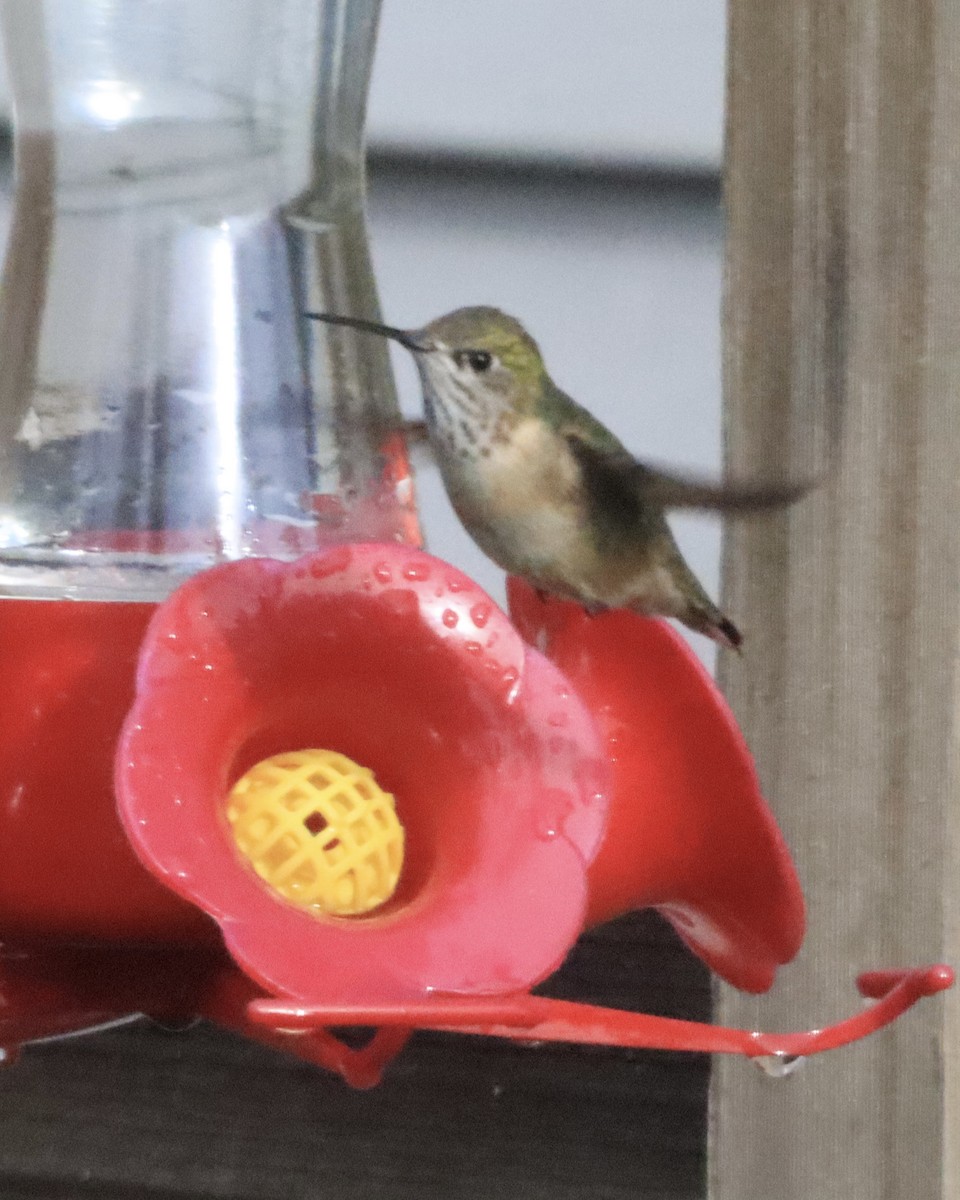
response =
{"points": [[544, 488]]}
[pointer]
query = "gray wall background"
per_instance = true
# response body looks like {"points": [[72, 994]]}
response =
{"points": [[560, 160], [609, 81]]}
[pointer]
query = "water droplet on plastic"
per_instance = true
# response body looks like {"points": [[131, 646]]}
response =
{"points": [[511, 682], [778, 1065], [418, 572], [480, 615], [332, 563], [450, 618]]}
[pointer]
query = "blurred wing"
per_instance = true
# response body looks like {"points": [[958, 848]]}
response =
{"points": [[416, 433], [615, 477]]}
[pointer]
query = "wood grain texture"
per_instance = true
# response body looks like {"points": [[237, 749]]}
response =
{"points": [[142, 1114], [842, 301]]}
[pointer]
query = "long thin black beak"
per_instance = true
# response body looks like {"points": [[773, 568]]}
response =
{"points": [[389, 331]]}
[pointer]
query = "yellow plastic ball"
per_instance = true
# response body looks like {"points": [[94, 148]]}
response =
{"points": [[319, 830]]}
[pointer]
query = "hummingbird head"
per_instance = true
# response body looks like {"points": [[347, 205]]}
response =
{"points": [[476, 365]]}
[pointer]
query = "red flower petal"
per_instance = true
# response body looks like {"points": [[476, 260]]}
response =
{"points": [[688, 831], [402, 663]]}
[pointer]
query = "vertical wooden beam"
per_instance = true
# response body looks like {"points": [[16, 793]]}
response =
{"points": [[843, 297]]}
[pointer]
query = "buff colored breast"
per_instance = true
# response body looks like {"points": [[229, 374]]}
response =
{"points": [[520, 499]]}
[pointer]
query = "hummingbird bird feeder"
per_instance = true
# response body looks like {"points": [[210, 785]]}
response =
{"points": [[264, 760]]}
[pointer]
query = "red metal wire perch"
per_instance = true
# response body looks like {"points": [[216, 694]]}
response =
{"points": [[63, 990], [537, 1018]]}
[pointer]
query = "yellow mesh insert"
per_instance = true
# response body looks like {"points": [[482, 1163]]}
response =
{"points": [[319, 829]]}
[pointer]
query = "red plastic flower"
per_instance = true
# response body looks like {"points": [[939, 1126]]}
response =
{"points": [[401, 662], [688, 830], [501, 775]]}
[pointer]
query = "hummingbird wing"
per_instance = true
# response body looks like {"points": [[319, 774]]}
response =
{"points": [[613, 475], [415, 432]]}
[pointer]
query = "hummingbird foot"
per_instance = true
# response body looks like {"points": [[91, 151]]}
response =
{"points": [[591, 608]]}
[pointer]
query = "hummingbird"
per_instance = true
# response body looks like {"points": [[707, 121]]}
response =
{"points": [[544, 488]]}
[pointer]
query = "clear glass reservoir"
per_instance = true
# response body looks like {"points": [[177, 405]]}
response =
{"points": [[188, 182]]}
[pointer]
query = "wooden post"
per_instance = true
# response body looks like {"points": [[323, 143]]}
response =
{"points": [[843, 297]]}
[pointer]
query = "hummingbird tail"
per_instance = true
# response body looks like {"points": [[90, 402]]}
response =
{"points": [[728, 634], [713, 624]]}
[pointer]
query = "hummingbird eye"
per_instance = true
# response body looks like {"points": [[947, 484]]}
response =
{"points": [[476, 360]]}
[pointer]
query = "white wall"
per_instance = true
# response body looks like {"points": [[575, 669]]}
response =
{"points": [[624, 81], [621, 288]]}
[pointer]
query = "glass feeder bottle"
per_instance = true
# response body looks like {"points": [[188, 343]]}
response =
{"points": [[189, 181]]}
